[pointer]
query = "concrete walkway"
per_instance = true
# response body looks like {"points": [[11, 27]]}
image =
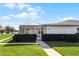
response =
{"points": [[50, 51], [5, 39]]}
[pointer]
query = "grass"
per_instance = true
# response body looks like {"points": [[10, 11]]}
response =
{"points": [[65, 48], [3, 36], [10, 40], [21, 50]]}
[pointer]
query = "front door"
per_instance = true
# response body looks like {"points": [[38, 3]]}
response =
{"points": [[38, 34]]}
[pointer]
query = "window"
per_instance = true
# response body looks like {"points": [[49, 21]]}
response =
{"points": [[77, 30], [27, 31]]}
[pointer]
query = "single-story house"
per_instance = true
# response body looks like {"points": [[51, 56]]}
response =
{"points": [[64, 27]]}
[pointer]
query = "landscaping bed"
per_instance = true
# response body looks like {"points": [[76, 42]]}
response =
{"points": [[65, 48]]}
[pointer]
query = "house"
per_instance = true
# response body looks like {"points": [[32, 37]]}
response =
{"points": [[64, 27]]}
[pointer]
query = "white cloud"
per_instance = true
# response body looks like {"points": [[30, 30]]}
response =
{"points": [[28, 7], [34, 9], [42, 12], [21, 15], [24, 15], [31, 9], [31, 12], [5, 17], [59, 18], [33, 15], [67, 18], [10, 5], [21, 6]]}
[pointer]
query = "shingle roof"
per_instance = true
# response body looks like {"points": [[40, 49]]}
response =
{"points": [[66, 22]]}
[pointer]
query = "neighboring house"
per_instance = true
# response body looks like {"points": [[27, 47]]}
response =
{"points": [[64, 27], [16, 32]]}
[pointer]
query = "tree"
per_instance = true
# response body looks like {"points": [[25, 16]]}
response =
{"points": [[12, 29], [9, 29], [2, 30]]}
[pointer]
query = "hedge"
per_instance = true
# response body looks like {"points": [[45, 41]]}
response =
{"points": [[24, 37], [60, 37], [70, 38], [77, 35], [46, 37]]}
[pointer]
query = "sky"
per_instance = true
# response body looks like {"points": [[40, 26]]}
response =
{"points": [[16, 14]]}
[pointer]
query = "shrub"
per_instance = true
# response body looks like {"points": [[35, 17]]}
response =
{"points": [[70, 38], [52, 37], [60, 37], [77, 35], [24, 37]]}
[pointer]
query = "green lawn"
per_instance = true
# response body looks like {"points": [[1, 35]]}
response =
{"points": [[10, 40], [21, 50], [65, 48], [2, 36]]}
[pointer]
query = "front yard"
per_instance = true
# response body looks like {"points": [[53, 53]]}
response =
{"points": [[20, 49], [65, 48], [3, 36]]}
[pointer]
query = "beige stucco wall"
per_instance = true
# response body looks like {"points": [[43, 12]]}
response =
{"points": [[61, 30], [51, 29], [31, 31]]}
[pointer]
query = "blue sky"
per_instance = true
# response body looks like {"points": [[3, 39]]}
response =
{"points": [[32, 13]]}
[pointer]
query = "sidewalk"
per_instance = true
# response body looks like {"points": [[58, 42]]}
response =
{"points": [[50, 51], [5, 39]]}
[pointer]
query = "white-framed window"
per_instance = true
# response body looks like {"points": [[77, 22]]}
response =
{"points": [[27, 31], [77, 30]]}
